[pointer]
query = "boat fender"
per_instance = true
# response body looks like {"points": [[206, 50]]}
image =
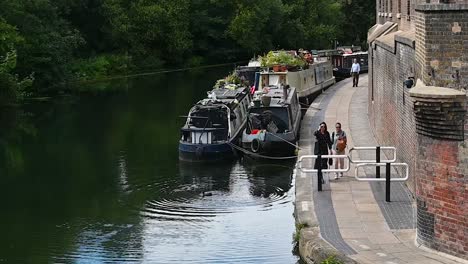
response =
{"points": [[199, 151], [255, 145]]}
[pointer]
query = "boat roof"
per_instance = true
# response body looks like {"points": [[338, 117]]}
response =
{"points": [[224, 96], [277, 96], [354, 53], [254, 63]]}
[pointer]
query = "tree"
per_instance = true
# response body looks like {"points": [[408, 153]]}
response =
{"points": [[49, 41], [257, 24], [10, 87]]}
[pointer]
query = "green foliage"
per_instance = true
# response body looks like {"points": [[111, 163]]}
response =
{"points": [[297, 233], [64, 40], [281, 58], [195, 61], [231, 81], [100, 67], [331, 260], [11, 88]]}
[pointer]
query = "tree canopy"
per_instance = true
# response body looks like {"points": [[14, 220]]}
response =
{"points": [[63, 40]]}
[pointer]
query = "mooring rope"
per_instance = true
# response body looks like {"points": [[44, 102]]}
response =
{"points": [[259, 155], [156, 72], [294, 145]]}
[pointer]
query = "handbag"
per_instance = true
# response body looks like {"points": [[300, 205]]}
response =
{"points": [[341, 145]]}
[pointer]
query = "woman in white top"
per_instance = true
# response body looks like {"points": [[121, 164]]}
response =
{"points": [[339, 141]]}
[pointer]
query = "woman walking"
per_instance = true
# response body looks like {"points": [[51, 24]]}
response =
{"points": [[339, 145], [323, 145]]}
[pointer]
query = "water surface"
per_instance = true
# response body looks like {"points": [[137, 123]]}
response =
{"points": [[95, 179]]}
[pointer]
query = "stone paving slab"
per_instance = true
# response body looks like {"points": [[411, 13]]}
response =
{"points": [[353, 215]]}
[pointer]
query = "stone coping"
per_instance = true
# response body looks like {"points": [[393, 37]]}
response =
{"points": [[387, 42], [442, 7], [378, 30], [423, 91], [406, 37]]}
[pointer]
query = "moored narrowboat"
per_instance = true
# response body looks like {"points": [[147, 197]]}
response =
{"points": [[306, 74], [342, 63], [273, 122], [214, 123]]}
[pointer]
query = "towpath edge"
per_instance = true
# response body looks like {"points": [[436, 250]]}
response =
{"points": [[312, 247]]}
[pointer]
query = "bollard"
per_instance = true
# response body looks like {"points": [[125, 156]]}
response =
{"points": [[377, 159], [319, 173], [387, 182]]}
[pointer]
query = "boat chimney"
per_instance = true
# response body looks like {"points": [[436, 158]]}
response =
{"points": [[285, 91]]}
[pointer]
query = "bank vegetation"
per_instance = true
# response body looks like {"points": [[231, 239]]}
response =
{"points": [[45, 44]]}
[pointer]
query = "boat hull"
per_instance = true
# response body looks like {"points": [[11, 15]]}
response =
{"points": [[273, 149], [205, 152]]}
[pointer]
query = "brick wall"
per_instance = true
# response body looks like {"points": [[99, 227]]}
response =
{"points": [[438, 165], [397, 11], [441, 192], [391, 112], [442, 45]]}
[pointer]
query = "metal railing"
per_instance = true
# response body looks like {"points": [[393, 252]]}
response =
{"points": [[388, 177], [377, 156], [377, 163], [314, 157], [320, 171]]}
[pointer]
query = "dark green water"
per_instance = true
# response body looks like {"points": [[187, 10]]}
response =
{"points": [[96, 179]]}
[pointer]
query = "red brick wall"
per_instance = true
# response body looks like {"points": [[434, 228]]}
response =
{"points": [[438, 167], [391, 113], [441, 186]]}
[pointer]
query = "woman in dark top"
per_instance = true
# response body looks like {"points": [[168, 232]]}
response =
{"points": [[324, 144]]}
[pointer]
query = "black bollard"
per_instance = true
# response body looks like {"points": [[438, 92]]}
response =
{"points": [[377, 159], [319, 173], [387, 182]]}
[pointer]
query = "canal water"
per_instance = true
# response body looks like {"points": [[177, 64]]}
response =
{"points": [[96, 179]]}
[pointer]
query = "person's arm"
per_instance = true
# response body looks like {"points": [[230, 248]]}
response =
{"points": [[358, 68], [329, 143]]}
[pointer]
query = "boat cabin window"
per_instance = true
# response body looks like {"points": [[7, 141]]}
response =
{"points": [[213, 120], [209, 117], [272, 119]]}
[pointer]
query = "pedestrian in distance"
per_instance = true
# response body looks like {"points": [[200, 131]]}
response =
{"points": [[355, 69], [339, 141], [323, 145]]}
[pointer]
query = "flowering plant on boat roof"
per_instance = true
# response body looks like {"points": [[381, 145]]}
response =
{"points": [[232, 81], [281, 58]]}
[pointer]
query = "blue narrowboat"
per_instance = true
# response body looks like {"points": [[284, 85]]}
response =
{"points": [[214, 124]]}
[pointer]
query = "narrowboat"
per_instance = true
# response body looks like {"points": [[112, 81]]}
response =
{"points": [[214, 124], [342, 63], [273, 122], [311, 77], [250, 72]]}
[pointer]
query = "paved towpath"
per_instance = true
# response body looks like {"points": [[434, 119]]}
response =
{"points": [[353, 216]]}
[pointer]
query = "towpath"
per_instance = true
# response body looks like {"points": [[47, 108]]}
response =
{"points": [[350, 215]]}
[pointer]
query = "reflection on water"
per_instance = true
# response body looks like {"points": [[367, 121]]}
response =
{"points": [[98, 180]]}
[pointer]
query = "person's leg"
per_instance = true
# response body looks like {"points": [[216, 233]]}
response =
{"points": [[357, 79], [341, 161], [336, 164]]}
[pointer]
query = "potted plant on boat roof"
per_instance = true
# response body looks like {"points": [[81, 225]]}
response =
{"points": [[281, 60]]}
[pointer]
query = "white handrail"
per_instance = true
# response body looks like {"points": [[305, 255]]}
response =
{"points": [[314, 157], [371, 148], [381, 179]]}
